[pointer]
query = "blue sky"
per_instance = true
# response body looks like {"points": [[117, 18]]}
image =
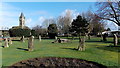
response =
{"points": [[37, 12]]}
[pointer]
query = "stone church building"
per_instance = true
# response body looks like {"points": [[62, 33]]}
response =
{"points": [[21, 25], [22, 20]]}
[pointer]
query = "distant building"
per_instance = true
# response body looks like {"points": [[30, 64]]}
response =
{"points": [[110, 33], [5, 31], [22, 21]]}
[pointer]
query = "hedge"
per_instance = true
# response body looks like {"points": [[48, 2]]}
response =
{"points": [[18, 32]]}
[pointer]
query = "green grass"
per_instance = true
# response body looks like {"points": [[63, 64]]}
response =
{"points": [[96, 51]]}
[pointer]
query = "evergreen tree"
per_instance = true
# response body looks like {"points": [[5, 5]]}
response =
{"points": [[52, 31], [80, 27]]}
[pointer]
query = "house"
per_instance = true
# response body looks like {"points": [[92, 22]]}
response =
{"points": [[4, 33], [110, 33]]}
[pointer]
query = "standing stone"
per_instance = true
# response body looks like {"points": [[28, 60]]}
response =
{"points": [[6, 43], [55, 37], [81, 46], [22, 39], [30, 43], [10, 41], [115, 40], [104, 37], [39, 38]]}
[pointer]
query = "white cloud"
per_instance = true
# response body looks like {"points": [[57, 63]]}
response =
{"points": [[111, 25], [28, 21], [8, 15], [41, 19], [72, 13]]}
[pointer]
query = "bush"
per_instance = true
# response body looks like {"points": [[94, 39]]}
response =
{"points": [[33, 33], [18, 32], [52, 31]]}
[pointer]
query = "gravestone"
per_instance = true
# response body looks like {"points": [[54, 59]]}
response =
{"points": [[115, 40], [6, 43], [81, 46], [30, 43], [39, 38], [10, 41], [22, 39]]}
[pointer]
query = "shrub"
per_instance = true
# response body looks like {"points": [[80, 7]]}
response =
{"points": [[18, 31], [52, 31]]}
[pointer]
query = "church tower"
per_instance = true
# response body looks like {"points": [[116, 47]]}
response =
{"points": [[22, 20]]}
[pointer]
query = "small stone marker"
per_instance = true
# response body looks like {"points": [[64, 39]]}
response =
{"points": [[30, 43], [39, 38], [22, 39], [115, 40], [56, 38], [81, 46], [10, 41], [6, 43]]}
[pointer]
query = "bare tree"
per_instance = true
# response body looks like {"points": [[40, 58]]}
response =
{"points": [[96, 24], [47, 22], [63, 22], [109, 10], [39, 30]]}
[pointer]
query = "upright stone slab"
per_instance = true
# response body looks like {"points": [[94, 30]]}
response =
{"points": [[81, 46], [6, 43], [30, 43], [56, 38], [39, 38], [10, 41], [115, 40], [22, 39]]}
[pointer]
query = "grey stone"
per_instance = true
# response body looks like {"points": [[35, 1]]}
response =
{"points": [[22, 39], [115, 40], [6, 43], [81, 46], [39, 38], [30, 43], [55, 37], [10, 41], [61, 40]]}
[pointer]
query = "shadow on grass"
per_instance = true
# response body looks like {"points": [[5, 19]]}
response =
{"points": [[71, 49], [2, 46], [23, 49], [15, 40], [91, 41], [110, 48]]}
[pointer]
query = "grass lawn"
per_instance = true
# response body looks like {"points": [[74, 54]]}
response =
{"points": [[96, 51]]}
